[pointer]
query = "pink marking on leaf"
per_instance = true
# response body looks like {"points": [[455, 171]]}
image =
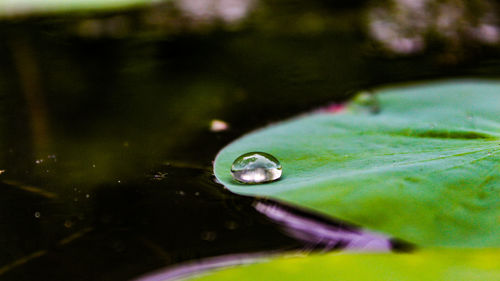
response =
{"points": [[333, 108]]}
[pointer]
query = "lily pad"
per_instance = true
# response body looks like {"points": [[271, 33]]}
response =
{"points": [[423, 167], [426, 265]]}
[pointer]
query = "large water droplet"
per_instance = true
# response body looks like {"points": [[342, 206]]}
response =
{"points": [[256, 167]]}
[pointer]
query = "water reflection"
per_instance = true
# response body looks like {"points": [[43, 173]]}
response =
{"points": [[190, 268], [317, 233], [326, 234]]}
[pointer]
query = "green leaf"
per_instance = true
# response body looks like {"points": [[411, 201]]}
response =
{"points": [[453, 265], [425, 168]]}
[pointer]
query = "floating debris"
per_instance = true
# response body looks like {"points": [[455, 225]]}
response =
{"points": [[218, 125]]}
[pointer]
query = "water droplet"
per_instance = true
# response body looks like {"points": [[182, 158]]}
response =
{"points": [[366, 102], [256, 167], [37, 215]]}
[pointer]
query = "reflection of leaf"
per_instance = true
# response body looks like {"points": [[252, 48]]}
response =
{"points": [[425, 168], [427, 265]]}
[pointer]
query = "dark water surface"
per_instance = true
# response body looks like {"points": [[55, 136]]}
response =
{"points": [[106, 145]]}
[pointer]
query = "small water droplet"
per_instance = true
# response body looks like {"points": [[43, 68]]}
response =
{"points": [[87, 195], [37, 215], [256, 167], [367, 102]]}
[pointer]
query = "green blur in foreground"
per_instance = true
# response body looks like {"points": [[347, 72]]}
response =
{"points": [[452, 265], [23, 7], [423, 167]]}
